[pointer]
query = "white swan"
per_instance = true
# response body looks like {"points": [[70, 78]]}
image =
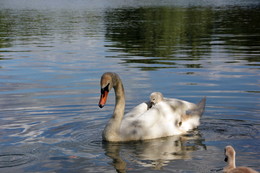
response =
{"points": [[142, 123], [230, 155]]}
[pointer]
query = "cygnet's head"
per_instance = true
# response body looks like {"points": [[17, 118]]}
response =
{"points": [[229, 153], [156, 97]]}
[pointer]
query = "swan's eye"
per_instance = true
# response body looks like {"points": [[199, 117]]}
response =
{"points": [[106, 88]]}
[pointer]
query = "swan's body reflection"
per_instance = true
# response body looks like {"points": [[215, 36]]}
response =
{"points": [[154, 153]]}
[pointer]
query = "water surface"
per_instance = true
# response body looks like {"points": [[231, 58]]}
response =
{"points": [[52, 54]]}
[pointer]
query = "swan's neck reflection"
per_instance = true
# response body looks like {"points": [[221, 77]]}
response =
{"points": [[153, 153], [113, 151]]}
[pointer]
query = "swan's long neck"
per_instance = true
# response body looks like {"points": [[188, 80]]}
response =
{"points": [[120, 100], [231, 164], [112, 130], [232, 161]]}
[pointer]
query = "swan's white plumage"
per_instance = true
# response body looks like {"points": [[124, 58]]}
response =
{"points": [[189, 114], [159, 121], [138, 110], [166, 118]]}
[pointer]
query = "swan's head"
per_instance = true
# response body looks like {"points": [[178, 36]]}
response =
{"points": [[156, 97], [229, 152], [106, 84]]}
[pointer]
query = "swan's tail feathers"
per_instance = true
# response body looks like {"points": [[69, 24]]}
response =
{"points": [[199, 110], [201, 105]]}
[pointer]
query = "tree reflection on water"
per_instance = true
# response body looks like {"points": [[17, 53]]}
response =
{"points": [[165, 35]]}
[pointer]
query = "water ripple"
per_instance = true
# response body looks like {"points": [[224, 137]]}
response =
{"points": [[226, 129], [12, 160]]}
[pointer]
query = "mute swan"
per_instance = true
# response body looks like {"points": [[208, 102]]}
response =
{"points": [[230, 155], [142, 123]]}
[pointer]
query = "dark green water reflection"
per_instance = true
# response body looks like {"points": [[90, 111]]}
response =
{"points": [[167, 34]]}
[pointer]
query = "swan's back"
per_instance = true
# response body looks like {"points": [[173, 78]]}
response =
{"points": [[158, 121], [166, 118], [190, 112]]}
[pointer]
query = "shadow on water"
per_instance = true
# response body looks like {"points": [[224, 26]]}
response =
{"points": [[155, 153]]}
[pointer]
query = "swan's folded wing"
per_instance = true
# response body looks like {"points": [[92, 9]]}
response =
{"points": [[140, 117], [141, 126], [158, 121], [182, 107], [180, 103], [136, 111]]}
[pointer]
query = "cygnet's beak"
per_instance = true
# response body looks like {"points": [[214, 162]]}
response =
{"points": [[151, 104], [226, 159]]}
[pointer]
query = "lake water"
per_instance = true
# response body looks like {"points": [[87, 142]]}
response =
{"points": [[52, 54]]}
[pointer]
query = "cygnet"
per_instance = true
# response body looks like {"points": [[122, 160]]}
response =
{"points": [[230, 155]]}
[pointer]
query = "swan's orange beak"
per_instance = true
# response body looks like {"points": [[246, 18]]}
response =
{"points": [[103, 99]]}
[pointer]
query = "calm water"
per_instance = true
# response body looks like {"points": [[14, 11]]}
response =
{"points": [[52, 54]]}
